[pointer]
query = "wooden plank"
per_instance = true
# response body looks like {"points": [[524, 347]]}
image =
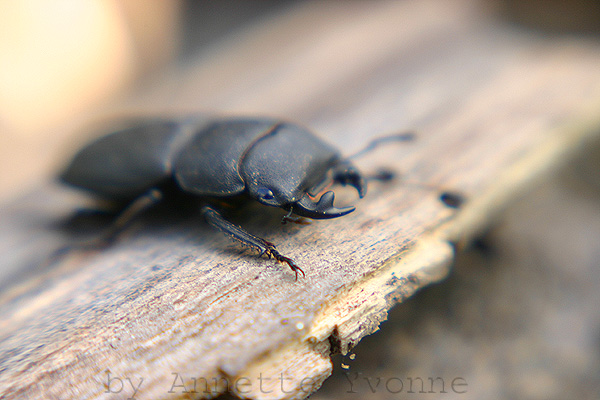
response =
{"points": [[174, 304]]}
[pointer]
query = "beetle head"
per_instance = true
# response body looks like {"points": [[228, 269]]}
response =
{"points": [[283, 168]]}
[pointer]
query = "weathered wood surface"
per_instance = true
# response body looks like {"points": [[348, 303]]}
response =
{"points": [[172, 301], [517, 318]]}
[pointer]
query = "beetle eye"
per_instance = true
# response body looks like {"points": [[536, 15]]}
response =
{"points": [[265, 193]]}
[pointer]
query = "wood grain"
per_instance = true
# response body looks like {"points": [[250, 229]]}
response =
{"points": [[173, 304]]}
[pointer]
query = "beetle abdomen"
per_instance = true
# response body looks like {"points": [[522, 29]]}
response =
{"points": [[124, 164]]}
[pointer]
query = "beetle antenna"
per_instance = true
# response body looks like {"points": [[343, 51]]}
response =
{"points": [[373, 144]]}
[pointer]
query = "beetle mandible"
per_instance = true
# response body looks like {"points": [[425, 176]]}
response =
{"points": [[276, 163]]}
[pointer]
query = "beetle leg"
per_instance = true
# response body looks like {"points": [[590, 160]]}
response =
{"points": [[381, 175], [297, 220], [130, 212], [215, 219], [134, 209]]}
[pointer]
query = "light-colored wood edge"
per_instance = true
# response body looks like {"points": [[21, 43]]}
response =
{"points": [[298, 369]]}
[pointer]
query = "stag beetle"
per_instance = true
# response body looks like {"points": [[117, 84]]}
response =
{"points": [[276, 163]]}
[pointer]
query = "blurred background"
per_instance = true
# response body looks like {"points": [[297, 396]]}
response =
{"points": [[64, 63], [518, 318]]}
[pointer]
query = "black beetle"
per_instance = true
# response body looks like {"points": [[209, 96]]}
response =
{"points": [[276, 163]]}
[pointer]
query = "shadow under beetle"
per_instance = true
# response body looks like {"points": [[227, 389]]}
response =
{"points": [[276, 163]]}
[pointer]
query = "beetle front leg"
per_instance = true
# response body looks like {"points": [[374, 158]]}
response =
{"points": [[214, 218]]}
